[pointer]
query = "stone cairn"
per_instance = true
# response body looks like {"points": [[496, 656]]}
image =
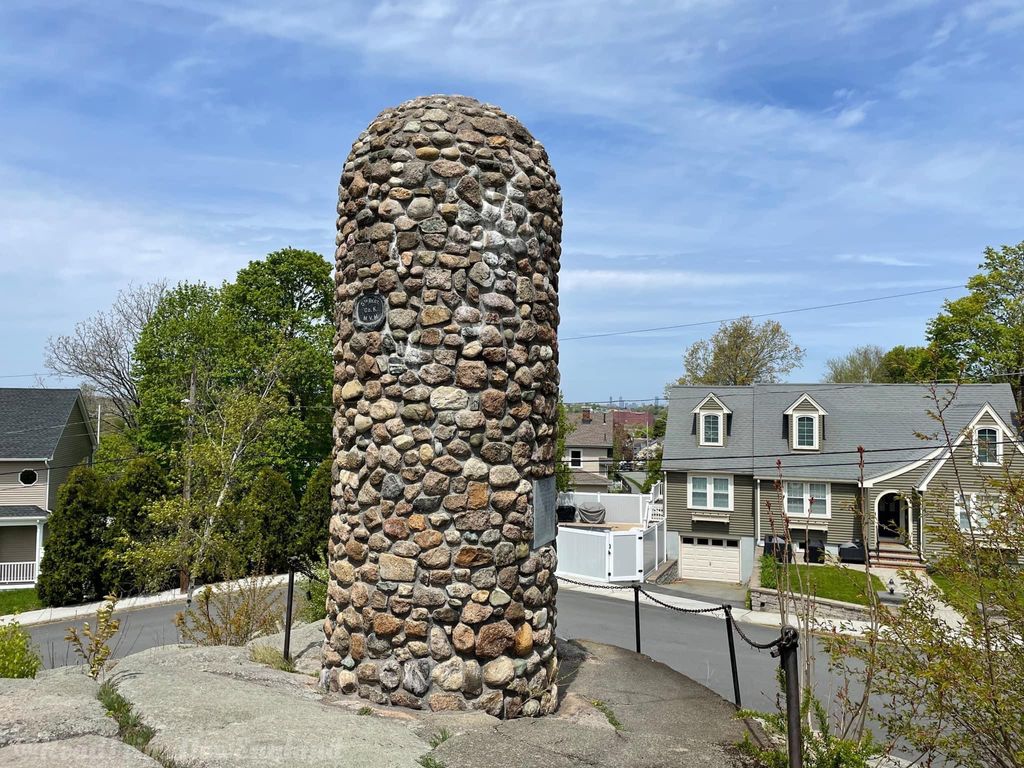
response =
{"points": [[446, 388]]}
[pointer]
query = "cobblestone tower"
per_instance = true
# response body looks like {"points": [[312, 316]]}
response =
{"points": [[442, 588]]}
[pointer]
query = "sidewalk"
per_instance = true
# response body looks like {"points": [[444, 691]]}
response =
{"points": [[745, 615], [74, 612]]}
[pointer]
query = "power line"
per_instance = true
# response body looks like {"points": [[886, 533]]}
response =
{"points": [[760, 314]]}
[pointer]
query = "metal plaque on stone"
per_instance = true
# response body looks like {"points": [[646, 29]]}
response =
{"points": [[545, 511], [370, 312]]}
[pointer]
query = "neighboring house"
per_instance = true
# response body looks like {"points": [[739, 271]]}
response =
{"points": [[589, 482], [44, 433], [588, 446], [725, 494]]}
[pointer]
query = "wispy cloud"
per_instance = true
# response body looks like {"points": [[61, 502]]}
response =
{"points": [[656, 279], [878, 258]]}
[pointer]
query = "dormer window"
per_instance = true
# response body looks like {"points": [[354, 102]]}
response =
{"points": [[806, 432], [803, 424], [711, 429], [712, 421], [988, 448]]}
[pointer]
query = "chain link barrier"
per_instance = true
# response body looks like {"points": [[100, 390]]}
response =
{"points": [[725, 609]]}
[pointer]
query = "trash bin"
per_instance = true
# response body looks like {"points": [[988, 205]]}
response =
{"points": [[777, 548], [815, 551], [566, 513], [852, 552]]}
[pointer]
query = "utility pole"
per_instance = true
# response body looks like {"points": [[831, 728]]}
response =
{"points": [[186, 489], [99, 419]]}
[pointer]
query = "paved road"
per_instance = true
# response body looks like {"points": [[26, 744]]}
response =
{"points": [[693, 645]]}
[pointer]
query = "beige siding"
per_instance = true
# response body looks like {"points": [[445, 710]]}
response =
{"points": [[680, 517], [17, 543], [12, 492], [592, 459], [73, 448], [842, 526]]}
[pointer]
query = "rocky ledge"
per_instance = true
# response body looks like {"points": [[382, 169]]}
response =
{"points": [[216, 707]]}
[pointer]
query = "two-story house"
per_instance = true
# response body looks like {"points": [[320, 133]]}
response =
{"points": [[742, 464], [44, 433], [588, 450]]}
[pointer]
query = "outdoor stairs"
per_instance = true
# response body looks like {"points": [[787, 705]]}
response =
{"points": [[894, 554]]}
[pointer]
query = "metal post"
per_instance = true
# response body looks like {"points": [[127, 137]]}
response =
{"points": [[288, 614], [636, 614], [790, 667], [732, 657]]}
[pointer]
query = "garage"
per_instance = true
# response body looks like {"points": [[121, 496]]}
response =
{"points": [[712, 559]]}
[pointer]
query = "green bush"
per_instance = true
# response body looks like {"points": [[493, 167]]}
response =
{"points": [[315, 607], [18, 658], [71, 571], [769, 572]]}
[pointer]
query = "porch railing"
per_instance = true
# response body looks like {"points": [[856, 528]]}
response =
{"points": [[18, 573]]}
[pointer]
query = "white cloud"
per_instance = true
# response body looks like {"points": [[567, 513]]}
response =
{"points": [[880, 259], [653, 280]]}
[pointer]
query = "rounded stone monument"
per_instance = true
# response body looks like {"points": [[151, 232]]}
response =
{"points": [[442, 588]]}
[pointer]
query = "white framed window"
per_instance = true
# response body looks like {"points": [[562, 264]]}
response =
{"points": [[575, 458], [807, 499], [711, 431], [974, 511], [988, 447], [713, 492], [805, 432]]}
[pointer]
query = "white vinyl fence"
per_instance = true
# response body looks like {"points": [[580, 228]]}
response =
{"points": [[607, 555]]}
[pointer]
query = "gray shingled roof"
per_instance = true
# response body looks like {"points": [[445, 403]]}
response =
{"points": [[32, 420], [596, 434], [876, 416], [22, 510]]}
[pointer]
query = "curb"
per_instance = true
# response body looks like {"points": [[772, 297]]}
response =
{"points": [[74, 612]]}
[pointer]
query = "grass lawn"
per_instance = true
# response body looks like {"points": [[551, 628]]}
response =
{"points": [[961, 594], [831, 582], [18, 600]]}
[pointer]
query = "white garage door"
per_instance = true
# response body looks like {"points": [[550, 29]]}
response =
{"points": [[707, 558]]}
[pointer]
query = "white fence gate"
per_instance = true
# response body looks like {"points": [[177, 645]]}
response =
{"points": [[607, 555]]}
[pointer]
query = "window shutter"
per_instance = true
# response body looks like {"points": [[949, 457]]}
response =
{"points": [[785, 426], [822, 428], [693, 429], [728, 424]]}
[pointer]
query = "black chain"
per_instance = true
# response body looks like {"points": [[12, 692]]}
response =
{"points": [[727, 609], [592, 586], [653, 599], [303, 566], [759, 646]]}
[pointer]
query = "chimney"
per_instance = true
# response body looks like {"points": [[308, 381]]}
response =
{"points": [[585, 416]]}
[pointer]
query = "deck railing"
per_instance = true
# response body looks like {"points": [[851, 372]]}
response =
{"points": [[18, 573]]}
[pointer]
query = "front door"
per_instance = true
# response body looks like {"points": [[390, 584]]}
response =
{"points": [[890, 516]]}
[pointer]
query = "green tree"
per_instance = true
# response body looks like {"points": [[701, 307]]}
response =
{"points": [[742, 352], [284, 303], [72, 566], [563, 428], [141, 482], [653, 470], [917, 365], [314, 520], [861, 365], [984, 330], [265, 522]]}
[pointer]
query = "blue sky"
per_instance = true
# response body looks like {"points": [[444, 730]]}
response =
{"points": [[716, 158]]}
